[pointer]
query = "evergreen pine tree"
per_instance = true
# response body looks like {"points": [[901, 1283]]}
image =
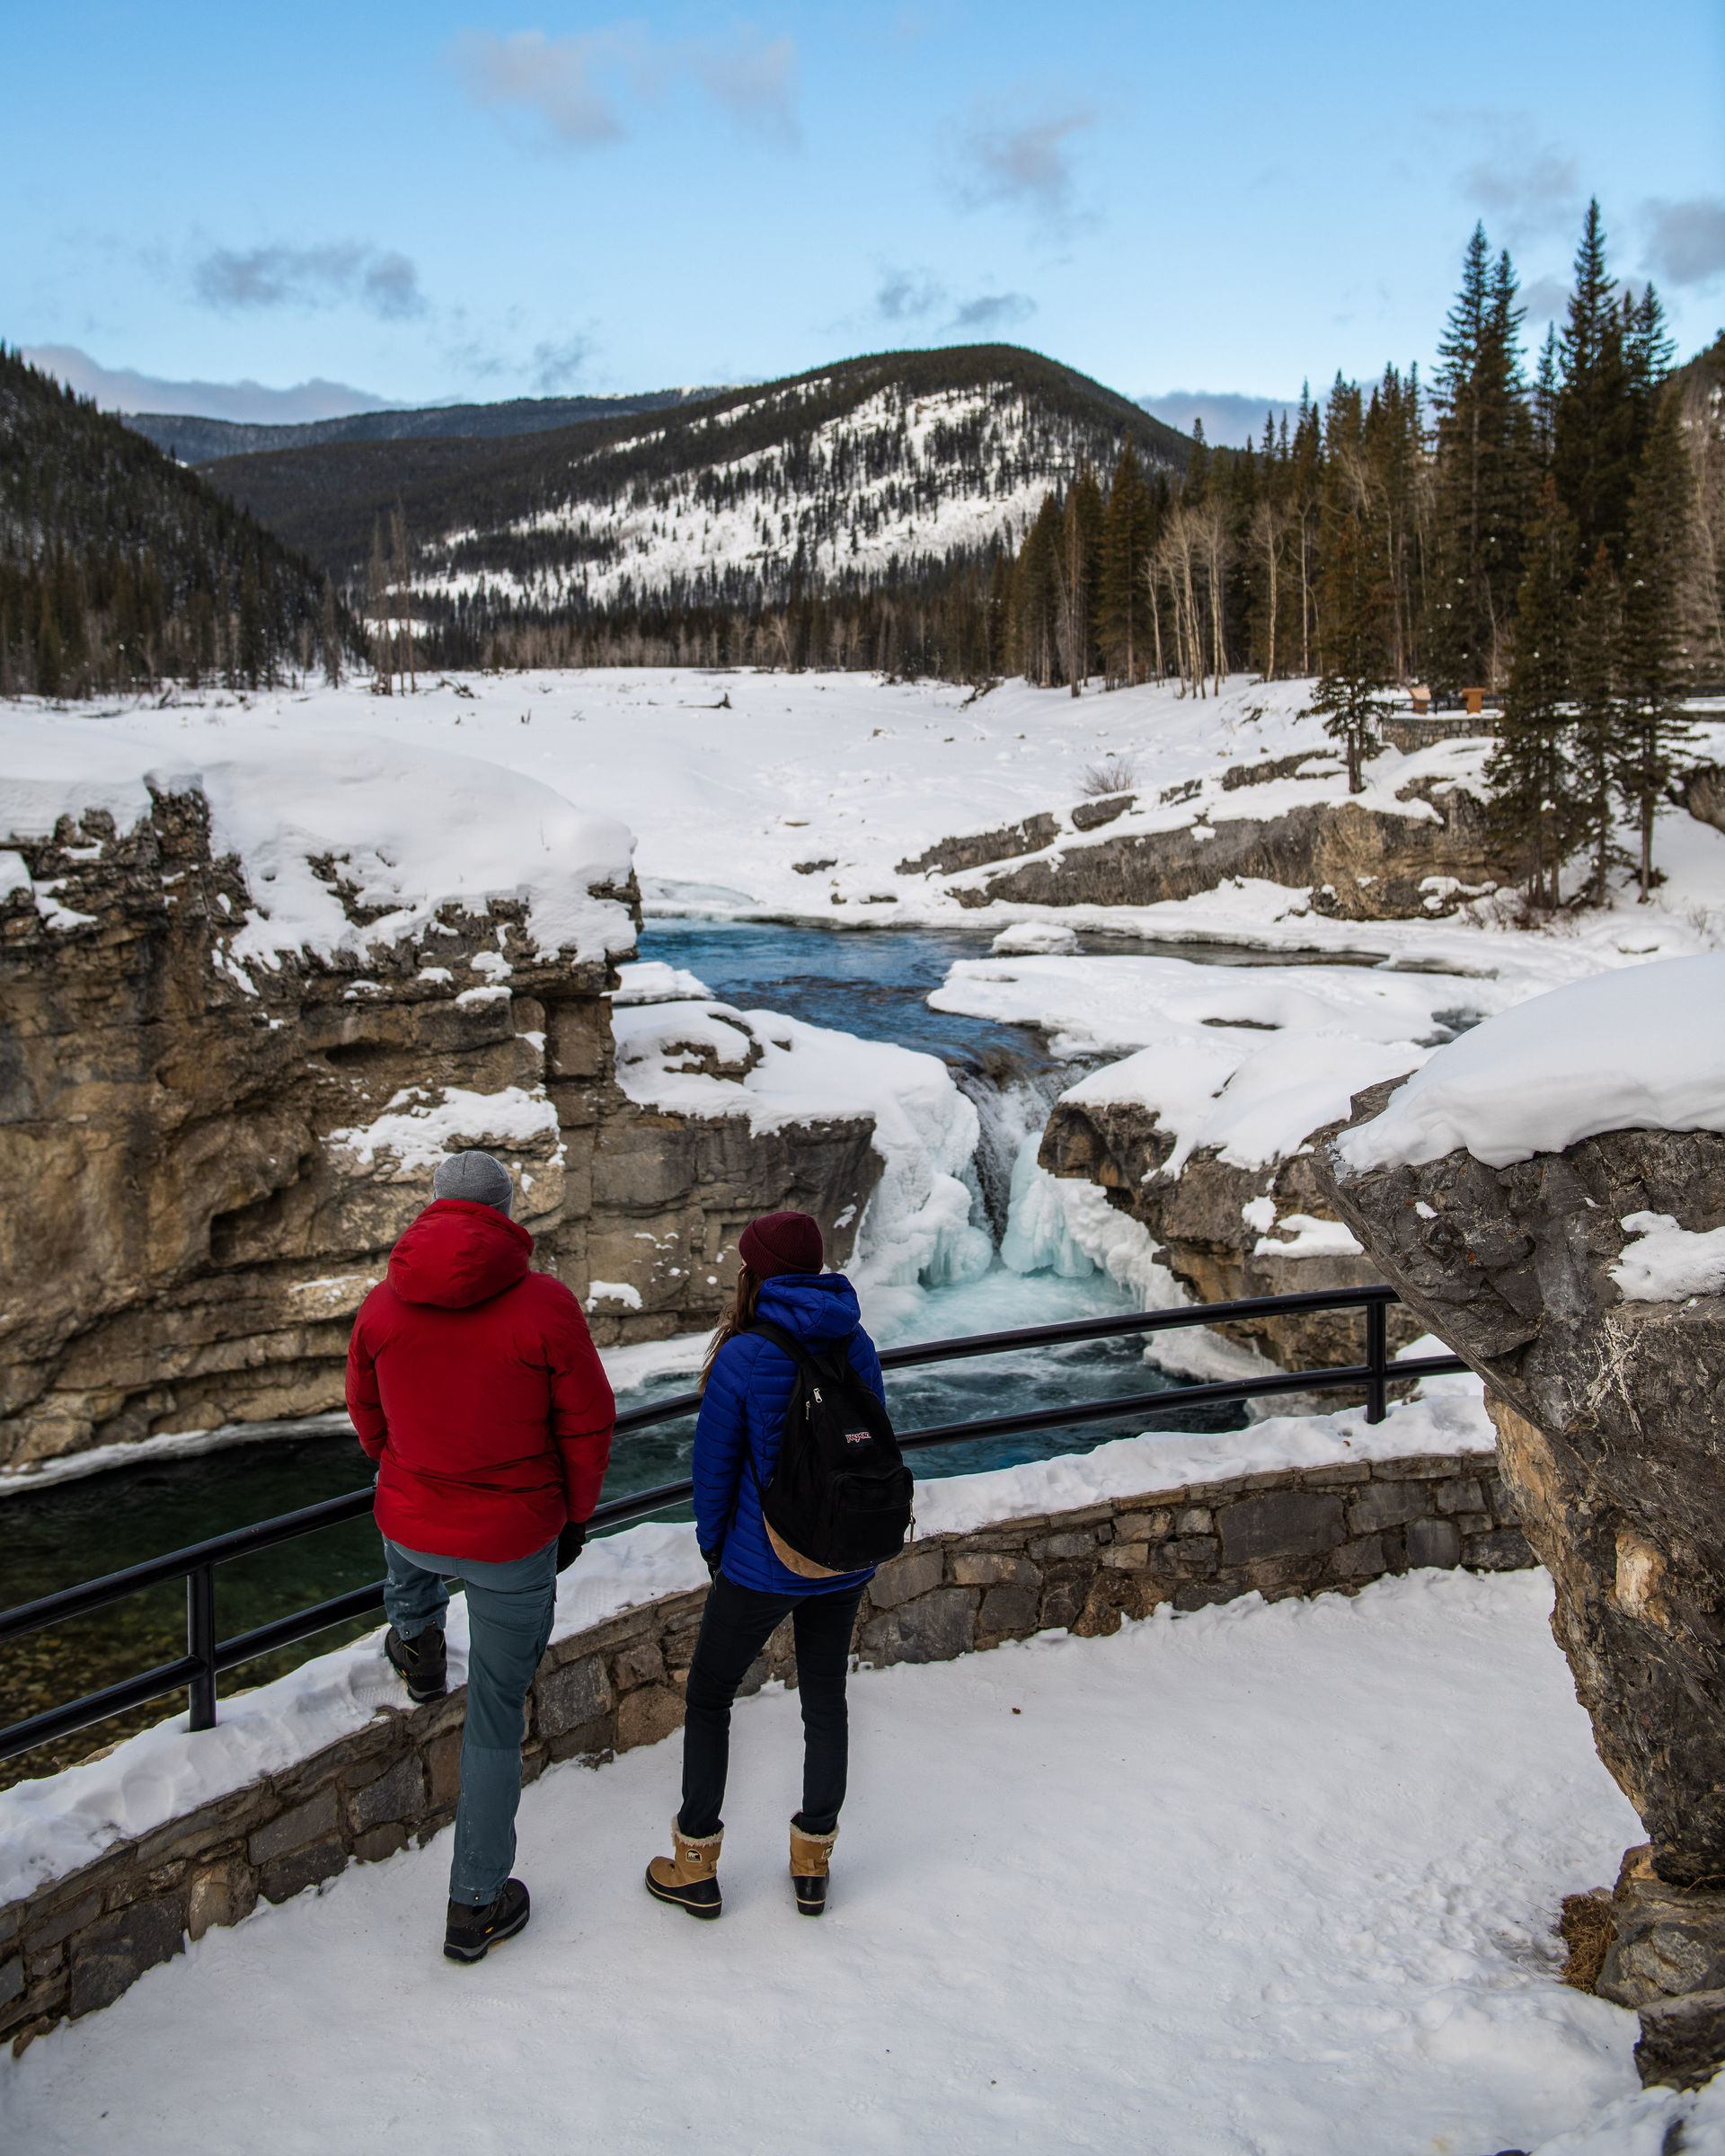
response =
{"points": [[1594, 663], [1349, 696], [1544, 397], [1593, 420], [1481, 473], [1123, 592], [1651, 663], [1534, 812]]}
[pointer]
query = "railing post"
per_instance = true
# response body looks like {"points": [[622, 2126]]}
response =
{"points": [[1377, 1360], [201, 1643]]}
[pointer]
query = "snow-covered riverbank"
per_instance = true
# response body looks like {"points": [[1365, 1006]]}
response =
{"points": [[800, 795]]}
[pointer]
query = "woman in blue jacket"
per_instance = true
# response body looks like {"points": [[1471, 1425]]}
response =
{"points": [[745, 1390]]}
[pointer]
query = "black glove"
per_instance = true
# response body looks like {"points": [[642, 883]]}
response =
{"points": [[569, 1544], [710, 1558]]}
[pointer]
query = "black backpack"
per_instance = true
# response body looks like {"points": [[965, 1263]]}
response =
{"points": [[840, 1495]]}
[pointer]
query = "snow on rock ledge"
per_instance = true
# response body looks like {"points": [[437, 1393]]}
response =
{"points": [[1202, 1133], [698, 1058], [347, 842], [1639, 1049]]}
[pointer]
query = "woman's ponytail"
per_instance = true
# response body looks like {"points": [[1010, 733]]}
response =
{"points": [[738, 1318]]}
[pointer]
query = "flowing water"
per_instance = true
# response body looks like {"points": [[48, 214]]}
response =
{"points": [[874, 984]]}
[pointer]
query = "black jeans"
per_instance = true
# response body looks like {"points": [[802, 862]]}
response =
{"points": [[738, 1623]]}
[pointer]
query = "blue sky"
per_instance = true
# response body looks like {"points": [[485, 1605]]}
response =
{"points": [[467, 201]]}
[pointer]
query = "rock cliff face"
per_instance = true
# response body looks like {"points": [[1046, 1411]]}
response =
{"points": [[1611, 1425], [1360, 863], [1609, 1419], [1227, 1231], [203, 1165], [1703, 794]]}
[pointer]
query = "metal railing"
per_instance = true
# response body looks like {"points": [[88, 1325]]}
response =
{"points": [[207, 1656]]}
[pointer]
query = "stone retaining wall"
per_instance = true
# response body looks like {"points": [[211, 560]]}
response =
{"points": [[79, 1941]]}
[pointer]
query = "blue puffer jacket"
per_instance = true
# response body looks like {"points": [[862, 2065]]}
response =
{"points": [[744, 1406]]}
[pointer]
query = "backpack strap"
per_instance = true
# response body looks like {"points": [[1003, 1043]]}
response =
{"points": [[808, 1364]]}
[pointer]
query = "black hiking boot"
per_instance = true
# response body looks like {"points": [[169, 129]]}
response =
{"points": [[422, 1662], [471, 1933]]}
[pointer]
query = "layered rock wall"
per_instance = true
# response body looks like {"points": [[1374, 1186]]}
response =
{"points": [[203, 1161], [1610, 1413], [1225, 1231], [1359, 863]]}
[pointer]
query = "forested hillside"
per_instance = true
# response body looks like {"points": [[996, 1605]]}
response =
{"points": [[1556, 536], [859, 516], [199, 441], [119, 568]]}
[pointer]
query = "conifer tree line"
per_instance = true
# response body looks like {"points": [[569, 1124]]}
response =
{"points": [[121, 569], [1553, 538]]}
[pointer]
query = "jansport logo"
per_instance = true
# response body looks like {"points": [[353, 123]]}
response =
{"points": [[858, 1437]]}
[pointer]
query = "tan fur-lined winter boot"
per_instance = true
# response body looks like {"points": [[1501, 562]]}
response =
{"points": [[688, 1877], [810, 1855]]}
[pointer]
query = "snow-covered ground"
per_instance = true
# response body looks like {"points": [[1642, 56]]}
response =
{"points": [[1262, 1881], [1247, 1059], [854, 774]]}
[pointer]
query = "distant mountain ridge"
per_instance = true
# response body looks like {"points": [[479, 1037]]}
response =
{"points": [[889, 472], [195, 440]]}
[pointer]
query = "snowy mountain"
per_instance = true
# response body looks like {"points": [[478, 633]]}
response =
{"points": [[877, 474], [198, 440]]}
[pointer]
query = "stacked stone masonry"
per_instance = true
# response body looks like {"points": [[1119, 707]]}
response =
{"points": [[79, 1941]]}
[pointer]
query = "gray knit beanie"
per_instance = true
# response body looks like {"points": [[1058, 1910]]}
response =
{"points": [[476, 1177]]}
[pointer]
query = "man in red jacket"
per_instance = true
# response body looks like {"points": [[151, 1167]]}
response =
{"points": [[473, 1382]]}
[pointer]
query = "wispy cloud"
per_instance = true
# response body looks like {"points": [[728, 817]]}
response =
{"points": [[560, 363], [380, 279], [1528, 194], [1025, 163], [1686, 240], [1526, 186], [910, 296], [994, 310], [578, 87], [1544, 298]]}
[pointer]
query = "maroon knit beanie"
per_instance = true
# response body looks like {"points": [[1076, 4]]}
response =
{"points": [[782, 1242]]}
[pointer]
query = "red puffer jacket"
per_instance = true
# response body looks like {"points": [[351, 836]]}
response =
{"points": [[476, 1386]]}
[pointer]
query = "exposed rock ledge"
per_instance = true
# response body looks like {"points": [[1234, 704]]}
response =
{"points": [[1360, 862], [203, 1165], [1227, 1231], [1610, 1412]]}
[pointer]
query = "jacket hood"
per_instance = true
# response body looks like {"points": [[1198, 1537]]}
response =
{"points": [[818, 1308], [457, 1253]]}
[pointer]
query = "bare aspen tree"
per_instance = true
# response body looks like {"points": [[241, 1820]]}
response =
{"points": [[401, 582], [330, 636], [1212, 539], [376, 613]]}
